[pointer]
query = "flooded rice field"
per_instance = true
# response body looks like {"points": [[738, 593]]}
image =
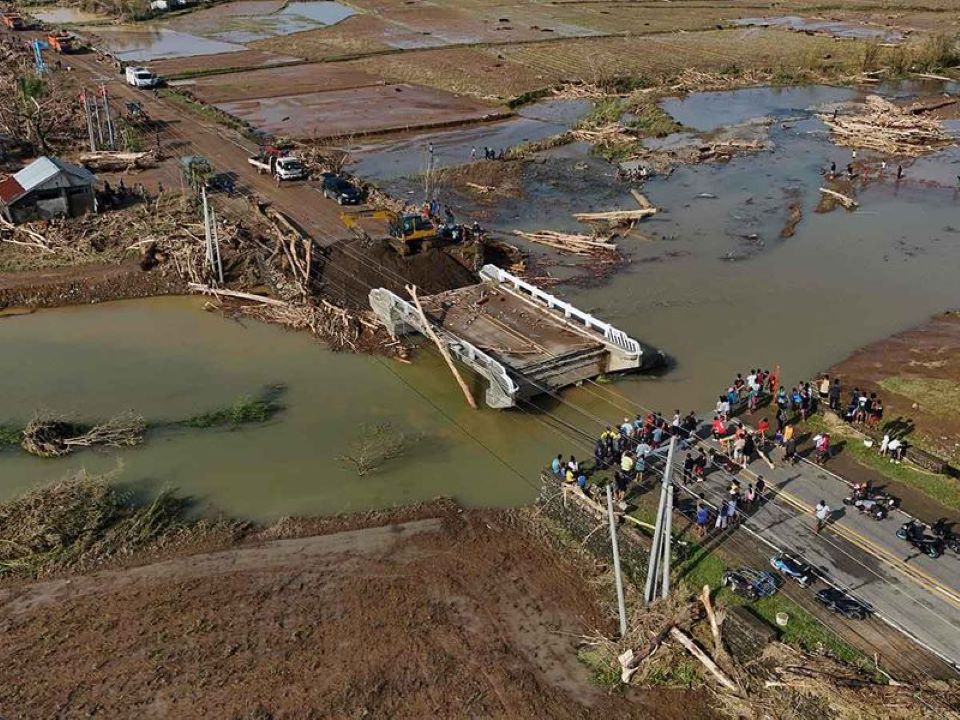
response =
{"points": [[714, 285], [834, 28], [217, 30], [56, 15], [390, 160], [143, 43]]}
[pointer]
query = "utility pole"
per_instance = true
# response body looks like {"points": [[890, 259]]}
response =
{"points": [[96, 115], [658, 570], [86, 111], [615, 544], [106, 109]]}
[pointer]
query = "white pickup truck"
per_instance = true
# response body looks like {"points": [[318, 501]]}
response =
{"points": [[141, 77], [284, 167]]}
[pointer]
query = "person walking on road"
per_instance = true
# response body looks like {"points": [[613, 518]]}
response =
{"points": [[820, 514], [703, 515]]}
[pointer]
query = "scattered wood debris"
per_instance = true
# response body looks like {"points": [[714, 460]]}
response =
{"points": [[576, 244], [848, 202], [616, 217], [888, 128]]}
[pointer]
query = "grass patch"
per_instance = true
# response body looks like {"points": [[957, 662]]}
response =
{"points": [[682, 673], [934, 395], [242, 412], [10, 436], [605, 111], [602, 673], [651, 120], [941, 488], [209, 112]]}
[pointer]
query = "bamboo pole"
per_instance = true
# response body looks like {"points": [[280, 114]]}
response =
{"points": [[428, 329], [712, 616], [847, 202]]}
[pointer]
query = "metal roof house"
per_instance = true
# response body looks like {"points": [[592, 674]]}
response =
{"points": [[45, 189]]}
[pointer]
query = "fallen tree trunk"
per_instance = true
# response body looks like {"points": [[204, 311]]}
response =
{"points": [[848, 202], [616, 215], [207, 290], [687, 642], [641, 199]]}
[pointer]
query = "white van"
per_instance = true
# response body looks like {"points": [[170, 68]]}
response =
{"points": [[141, 77]]}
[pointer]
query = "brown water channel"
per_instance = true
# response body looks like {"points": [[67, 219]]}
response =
{"points": [[718, 290]]}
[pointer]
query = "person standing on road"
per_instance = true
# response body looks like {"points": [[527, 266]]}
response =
{"points": [[820, 514], [836, 392], [703, 515]]}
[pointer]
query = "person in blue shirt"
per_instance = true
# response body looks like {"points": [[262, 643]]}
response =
{"points": [[557, 465]]}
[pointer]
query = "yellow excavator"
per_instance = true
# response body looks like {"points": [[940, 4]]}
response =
{"points": [[408, 232]]}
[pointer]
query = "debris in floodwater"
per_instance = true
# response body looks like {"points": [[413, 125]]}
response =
{"points": [[707, 196]]}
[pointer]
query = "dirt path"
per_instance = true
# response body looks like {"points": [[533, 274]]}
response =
{"points": [[456, 616], [227, 153]]}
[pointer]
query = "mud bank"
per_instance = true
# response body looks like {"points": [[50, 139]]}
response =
{"points": [[86, 284], [212, 633]]}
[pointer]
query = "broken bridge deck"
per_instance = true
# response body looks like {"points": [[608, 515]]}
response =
{"points": [[522, 339]]}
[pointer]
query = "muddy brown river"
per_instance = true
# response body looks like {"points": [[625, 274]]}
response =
{"points": [[718, 290]]}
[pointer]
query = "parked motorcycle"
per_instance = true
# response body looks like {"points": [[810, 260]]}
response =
{"points": [[875, 504], [914, 532], [751, 584], [793, 568], [942, 530]]}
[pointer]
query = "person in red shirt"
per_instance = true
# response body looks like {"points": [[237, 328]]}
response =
{"points": [[762, 428]]}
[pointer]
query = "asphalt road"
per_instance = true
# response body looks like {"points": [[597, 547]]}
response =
{"points": [[910, 591]]}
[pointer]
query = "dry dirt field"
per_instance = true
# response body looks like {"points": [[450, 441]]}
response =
{"points": [[356, 111], [456, 615], [274, 82]]}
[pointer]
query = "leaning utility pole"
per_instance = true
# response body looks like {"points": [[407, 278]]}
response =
{"points": [[210, 235], [658, 569], [111, 135], [86, 111], [621, 604]]}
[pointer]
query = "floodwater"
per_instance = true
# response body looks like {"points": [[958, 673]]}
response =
{"points": [[402, 158], [54, 15], [833, 28], [167, 359], [244, 22], [717, 289], [143, 43]]}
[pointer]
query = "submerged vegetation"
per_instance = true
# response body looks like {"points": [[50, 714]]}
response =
{"points": [[242, 412], [375, 445]]}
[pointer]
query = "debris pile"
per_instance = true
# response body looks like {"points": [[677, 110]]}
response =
{"points": [[888, 128], [48, 436]]}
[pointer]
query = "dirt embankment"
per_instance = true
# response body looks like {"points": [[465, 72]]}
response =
{"points": [[353, 268], [457, 614], [85, 284], [917, 374]]}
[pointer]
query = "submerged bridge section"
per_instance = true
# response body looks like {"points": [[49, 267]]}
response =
{"points": [[521, 339]]}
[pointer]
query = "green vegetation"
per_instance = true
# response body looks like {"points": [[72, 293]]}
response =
{"points": [[651, 120], [682, 673], [941, 488], [934, 395], [528, 97], [935, 52], [602, 672], [605, 111], [242, 412], [10, 436]]}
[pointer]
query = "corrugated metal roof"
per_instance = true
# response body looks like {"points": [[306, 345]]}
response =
{"points": [[45, 168], [10, 189]]}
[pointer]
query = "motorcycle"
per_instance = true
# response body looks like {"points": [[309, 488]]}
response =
{"points": [[793, 568], [942, 530], [914, 533], [875, 504], [751, 584]]}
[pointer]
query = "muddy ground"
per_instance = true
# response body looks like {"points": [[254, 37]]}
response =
{"points": [[456, 614], [917, 374]]}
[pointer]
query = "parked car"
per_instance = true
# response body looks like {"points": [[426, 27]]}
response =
{"points": [[336, 187], [141, 77], [791, 567], [837, 601], [751, 584]]}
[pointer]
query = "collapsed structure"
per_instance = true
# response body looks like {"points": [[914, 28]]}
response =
{"points": [[522, 340]]}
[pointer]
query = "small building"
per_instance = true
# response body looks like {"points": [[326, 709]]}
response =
{"points": [[47, 188]]}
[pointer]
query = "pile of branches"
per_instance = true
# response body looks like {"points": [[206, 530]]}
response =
{"points": [[163, 227], [49, 436], [78, 522], [888, 128]]}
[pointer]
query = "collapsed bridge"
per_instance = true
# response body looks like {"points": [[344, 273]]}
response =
{"points": [[521, 339]]}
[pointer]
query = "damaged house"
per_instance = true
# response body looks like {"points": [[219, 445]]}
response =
{"points": [[47, 188]]}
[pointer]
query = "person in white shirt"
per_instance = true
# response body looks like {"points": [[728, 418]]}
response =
{"points": [[821, 513]]}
